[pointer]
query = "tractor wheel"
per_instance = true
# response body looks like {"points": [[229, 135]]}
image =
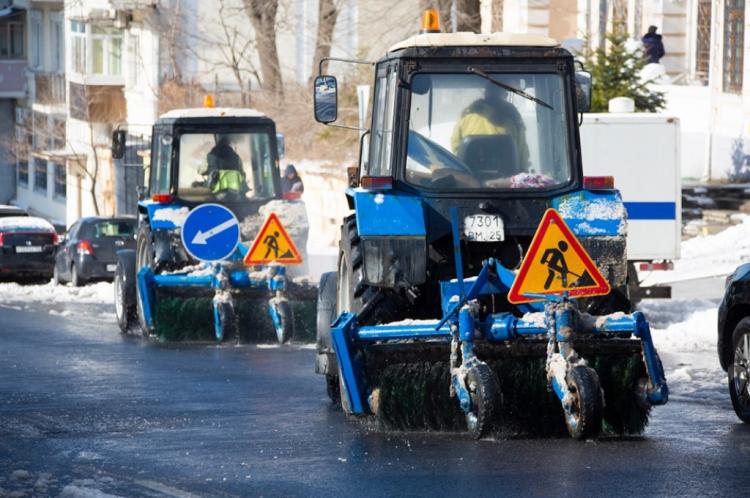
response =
{"points": [[125, 308], [326, 314], [738, 372], [144, 256], [227, 321], [584, 419], [483, 390], [285, 329], [374, 305]]}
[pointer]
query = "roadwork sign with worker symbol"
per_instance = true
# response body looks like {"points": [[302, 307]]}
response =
{"points": [[273, 245], [556, 263]]}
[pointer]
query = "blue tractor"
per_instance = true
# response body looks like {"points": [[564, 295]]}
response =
{"points": [[225, 162], [472, 139]]}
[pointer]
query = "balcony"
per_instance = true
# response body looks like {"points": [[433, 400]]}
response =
{"points": [[50, 88], [12, 78]]}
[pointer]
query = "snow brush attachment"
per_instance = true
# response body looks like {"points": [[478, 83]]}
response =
{"points": [[553, 371], [222, 303]]}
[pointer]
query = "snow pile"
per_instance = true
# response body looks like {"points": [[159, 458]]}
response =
{"points": [[708, 256], [25, 223], [98, 293], [173, 215]]}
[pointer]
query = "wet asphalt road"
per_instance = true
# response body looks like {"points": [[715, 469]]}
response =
{"points": [[84, 408]]}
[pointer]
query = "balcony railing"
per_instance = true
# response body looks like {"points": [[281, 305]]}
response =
{"points": [[12, 78], [50, 88]]}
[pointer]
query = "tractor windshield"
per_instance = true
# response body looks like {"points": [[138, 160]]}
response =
{"points": [[225, 166], [488, 130]]}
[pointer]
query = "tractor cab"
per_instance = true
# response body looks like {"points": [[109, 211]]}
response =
{"points": [[212, 155]]}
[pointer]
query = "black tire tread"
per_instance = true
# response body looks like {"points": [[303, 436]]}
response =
{"points": [[585, 382], [743, 412], [484, 399]]}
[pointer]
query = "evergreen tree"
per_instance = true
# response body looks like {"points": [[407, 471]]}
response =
{"points": [[616, 73]]}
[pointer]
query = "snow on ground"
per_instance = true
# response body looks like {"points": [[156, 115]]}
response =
{"points": [[708, 255], [96, 293]]}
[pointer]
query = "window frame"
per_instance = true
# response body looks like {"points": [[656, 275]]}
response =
{"points": [[733, 49], [41, 173], [382, 148], [60, 193]]}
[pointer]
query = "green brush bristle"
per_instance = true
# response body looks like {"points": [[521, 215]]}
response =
{"points": [[191, 319], [415, 396]]}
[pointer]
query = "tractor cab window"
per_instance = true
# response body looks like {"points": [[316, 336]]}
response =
{"points": [[382, 130], [225, 166], [160, 172], [487, 131]]}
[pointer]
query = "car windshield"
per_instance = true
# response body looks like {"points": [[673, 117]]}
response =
{"points": [[225, 166], [487, 130]]}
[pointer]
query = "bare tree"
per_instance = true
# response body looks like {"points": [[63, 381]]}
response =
{"points": [[468, 17], [262, 14], [328, 11]]}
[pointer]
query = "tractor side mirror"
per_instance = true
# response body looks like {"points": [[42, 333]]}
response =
{"points": [[118, 143], [325, 99], [583, 91], [280, 145]]}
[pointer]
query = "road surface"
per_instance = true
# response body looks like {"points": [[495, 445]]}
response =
{"points": [[86, 410]]}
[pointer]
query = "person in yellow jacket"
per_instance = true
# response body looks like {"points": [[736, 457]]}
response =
{"points": [[493, 115]]}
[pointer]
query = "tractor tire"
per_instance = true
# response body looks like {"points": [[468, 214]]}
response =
{"points": [[227, 321], [584, 421], [326, 314], [144, 256], [482, 385], [738, 373], [285, 331], [125, 307], [372, 304]]}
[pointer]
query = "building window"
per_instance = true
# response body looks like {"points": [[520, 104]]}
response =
{"points": [[734, 44], [60, 180], [78, 46], [23, 171], [37, 39], [703, 41], [11, 40], [106, 51], [134, 54], [58, 43], [40, 175]]}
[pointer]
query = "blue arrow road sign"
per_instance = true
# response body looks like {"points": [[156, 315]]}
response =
{"points": [[211, 232]]}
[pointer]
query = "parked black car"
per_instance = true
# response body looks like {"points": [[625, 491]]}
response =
{"points": [[27, 247], [6, 210], [88, 251], [734, 339]]}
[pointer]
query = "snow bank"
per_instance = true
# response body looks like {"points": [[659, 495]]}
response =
{"points": [[25, 222], [98, 293], [708, 256]]}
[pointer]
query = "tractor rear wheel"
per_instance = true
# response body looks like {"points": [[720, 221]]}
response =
{"points": [[584, 419], [485, 396]]}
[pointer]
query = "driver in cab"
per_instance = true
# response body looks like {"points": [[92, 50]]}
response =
{"points": [[225, 176], [493, 115]]}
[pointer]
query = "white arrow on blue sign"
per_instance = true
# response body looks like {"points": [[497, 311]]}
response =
{"points": [[211, 232]]}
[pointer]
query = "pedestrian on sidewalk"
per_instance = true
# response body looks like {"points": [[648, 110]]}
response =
{"points": [[653, 46]]}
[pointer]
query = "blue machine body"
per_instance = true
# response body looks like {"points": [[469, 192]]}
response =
{"points": [[462, 324]]}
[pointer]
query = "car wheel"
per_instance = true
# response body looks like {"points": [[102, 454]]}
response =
{"points": [[55, 276], [738, 372], [75, 277]]}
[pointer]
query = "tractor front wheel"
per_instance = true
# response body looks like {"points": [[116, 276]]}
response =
{"points": [[484, 393], [584, 416], [125, 308]]}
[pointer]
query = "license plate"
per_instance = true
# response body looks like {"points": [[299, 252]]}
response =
{"points": [[111, 267], [28, 248], [484, 228]]}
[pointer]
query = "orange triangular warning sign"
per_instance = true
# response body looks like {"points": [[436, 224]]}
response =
{"points": [[273, 245], [556, 263]]}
